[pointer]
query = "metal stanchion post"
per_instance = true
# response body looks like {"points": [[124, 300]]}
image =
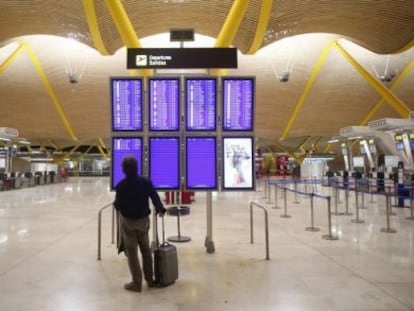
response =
{"points": [[347, 212], [276, 207], [411, 205], [329, 236], [336, 196], [372, 192], [265, 187], [269, 194], [363, 200], [357, 220], [388, 207], [285, 215], [312, 227], [296, 192]]}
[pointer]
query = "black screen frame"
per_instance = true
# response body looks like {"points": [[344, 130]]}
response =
{"points": [[252, 160], [187, 158], [111, 81], [186, 80], [140, 159], [150, 106], [237, 78], [178, 161]]}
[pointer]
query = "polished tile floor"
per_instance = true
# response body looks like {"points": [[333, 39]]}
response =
{"points": [[48, 255]]}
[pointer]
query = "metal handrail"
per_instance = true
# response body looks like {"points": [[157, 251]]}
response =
{"points": [[100, 227], [266, 226]]}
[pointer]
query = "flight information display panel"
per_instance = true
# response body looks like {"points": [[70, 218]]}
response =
{"points": [[164, 162], [237, 103], [126, 104], [200, 103], [122, 147], [238, 169], [201, 162], [164, 104]]}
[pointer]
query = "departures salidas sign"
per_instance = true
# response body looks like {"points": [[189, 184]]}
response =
{"points": [[138, 58]]}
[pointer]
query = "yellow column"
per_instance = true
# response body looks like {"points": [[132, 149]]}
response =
{"points": [[389, 96], [125, 29]]}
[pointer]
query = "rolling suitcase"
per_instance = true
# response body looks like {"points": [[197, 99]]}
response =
{"points": [[165, 260]]}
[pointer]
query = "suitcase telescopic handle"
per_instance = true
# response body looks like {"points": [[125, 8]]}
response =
{"points": [[163, 229]]}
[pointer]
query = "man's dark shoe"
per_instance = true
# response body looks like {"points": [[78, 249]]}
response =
{"points": [[151, 284], [132, 286]]}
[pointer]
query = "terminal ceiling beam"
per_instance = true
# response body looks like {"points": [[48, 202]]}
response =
{"points": [[265, 12], [389, 96], [125, 29], [90, 12], [393, 85], [52, 143], [230, 27], [307, 89], [45, 80]]}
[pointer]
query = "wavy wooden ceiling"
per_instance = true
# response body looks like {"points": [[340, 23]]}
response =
{"points": [[297, 32]]}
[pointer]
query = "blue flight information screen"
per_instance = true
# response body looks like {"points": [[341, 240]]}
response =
{"points": [[201, 161], [126, 104], [122, 147], [164, 162], [164, 104], [238, 101], [200, 102]]}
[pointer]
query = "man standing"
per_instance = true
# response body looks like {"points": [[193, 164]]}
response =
{"points": [[131, 200]]}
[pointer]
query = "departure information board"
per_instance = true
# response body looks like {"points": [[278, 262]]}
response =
{"points": [[122, 147], [238, 169], [164, 162], [126, 102], [200, 103], [238, 101], [201, 162], [164, 104]]}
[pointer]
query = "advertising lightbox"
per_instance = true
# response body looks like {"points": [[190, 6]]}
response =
{"points": [[238, 165]]}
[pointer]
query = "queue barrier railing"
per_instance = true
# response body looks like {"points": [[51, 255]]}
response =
{"points": [[266, 219], [312, 195], [100, 227]]}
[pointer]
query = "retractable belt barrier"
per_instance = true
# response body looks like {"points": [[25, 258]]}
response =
{"points": [[281, 184], [360, 187]]}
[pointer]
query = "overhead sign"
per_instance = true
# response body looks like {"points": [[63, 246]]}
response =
{"points": [[181, 58]]}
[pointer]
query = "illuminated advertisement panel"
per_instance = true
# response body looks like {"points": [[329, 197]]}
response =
{"points": [[122, 147], [200, 103], [237, 103], [238, 163], [164, 104], [201, 163], [164, 162], [126, 104]]}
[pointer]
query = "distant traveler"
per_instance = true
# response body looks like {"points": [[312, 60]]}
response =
{"points": [[131, 200]]}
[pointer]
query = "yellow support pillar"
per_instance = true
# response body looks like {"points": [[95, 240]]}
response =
{"points": [[393, 85], [89, 7], [308, 87], [389, 96], [46, 83], [265, 12], [125, 29], [230, 27]]}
